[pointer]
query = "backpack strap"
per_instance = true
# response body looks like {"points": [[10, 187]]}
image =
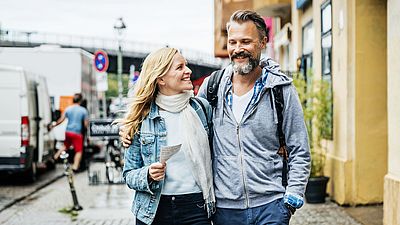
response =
{"points": [[212, 87], [279, 104], [209, 121], [203, 108]]}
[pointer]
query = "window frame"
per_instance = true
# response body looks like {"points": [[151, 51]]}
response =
{"points": [[327, 74]]}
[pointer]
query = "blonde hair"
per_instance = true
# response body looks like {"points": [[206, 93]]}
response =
{"points": [[155, 65]]}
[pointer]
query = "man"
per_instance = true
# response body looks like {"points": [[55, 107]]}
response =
{"points": [[77, 122], [247, 169]]}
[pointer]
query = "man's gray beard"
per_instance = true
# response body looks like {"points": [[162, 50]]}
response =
{"points": [[242, 70], [245, 69]]}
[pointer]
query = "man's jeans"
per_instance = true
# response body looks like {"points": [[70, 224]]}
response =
{"points": [[185, 209], [274, 212]]}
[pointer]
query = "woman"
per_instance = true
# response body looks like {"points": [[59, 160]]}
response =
{"points": [[164, 113]]}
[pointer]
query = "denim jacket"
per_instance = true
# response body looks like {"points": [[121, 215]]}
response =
{"points": [[145, 150]]}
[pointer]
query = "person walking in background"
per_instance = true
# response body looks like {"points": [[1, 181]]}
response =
{"points": [[77, 122], [247, 167], [163, 112], [85, 138]]}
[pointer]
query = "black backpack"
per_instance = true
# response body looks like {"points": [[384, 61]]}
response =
{"points": [[212, 97]]}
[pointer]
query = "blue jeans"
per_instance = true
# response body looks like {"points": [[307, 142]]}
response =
{"points": [[274, 212], [185, 209]]}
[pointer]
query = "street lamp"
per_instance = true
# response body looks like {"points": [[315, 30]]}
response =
{"points": [[119, 27]]}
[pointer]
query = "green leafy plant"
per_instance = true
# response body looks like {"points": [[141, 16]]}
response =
{"points": [[316, 99], [113, 85]]}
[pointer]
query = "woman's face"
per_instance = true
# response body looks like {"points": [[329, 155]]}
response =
{"points": [[177, 79]]}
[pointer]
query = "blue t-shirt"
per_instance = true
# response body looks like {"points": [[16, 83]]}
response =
{"points": [[76, 115]]}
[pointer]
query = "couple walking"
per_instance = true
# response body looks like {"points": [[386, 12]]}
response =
{"points": [[239, 180]]}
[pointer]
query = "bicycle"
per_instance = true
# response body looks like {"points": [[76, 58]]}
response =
{"points": [[113, 151], [114, 161]]}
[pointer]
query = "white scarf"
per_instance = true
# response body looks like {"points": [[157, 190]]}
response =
{"points": [[195, 140]]}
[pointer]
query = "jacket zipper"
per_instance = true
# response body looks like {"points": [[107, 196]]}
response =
{"points": [[242, 168]]}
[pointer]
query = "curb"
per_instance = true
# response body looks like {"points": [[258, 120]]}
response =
{"points": [[38, 188]]}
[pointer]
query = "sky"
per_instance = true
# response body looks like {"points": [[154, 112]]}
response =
{"points": [[179, 23]]}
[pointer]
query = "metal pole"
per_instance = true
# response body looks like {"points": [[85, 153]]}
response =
{"points": [[104, 105], [119, 73], [68, 172]]}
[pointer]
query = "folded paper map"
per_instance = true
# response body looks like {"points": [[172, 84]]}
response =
{"points": [[168, 151]]}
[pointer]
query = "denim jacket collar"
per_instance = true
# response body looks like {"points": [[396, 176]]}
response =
{"points": [[154, 112]]}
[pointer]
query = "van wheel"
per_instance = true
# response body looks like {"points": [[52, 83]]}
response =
{"points": [[31, 174], [51, 164]]}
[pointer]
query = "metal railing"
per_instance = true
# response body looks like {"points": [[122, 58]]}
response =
{"points": [[88, 42]]}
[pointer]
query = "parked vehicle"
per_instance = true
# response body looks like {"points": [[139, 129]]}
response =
{"points": [[67, 70], [25, 141]]}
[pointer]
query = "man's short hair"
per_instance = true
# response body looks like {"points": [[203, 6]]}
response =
{"points": [[77, 98], [242, 16]]}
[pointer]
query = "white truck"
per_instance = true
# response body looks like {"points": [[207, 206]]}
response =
{"points": [[25, 140], [67, 70]]}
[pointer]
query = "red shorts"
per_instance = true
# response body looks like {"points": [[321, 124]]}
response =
{"points": [[74, 139]]}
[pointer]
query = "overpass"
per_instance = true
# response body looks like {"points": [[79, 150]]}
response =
{"points": [[133, 52]]}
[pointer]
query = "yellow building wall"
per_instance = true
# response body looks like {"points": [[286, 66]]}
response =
{"points": [[391, 206], [340, 156], [370, 165], [295, 44], [340, 151], [357, 155]]}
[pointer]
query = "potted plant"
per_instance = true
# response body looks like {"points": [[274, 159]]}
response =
{"points": [[317, 107]]}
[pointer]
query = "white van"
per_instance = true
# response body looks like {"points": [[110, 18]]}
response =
{"points": [[67, 71], [25, 141]]}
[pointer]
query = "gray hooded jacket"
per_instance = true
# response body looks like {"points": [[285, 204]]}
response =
{"points": [[247, 169]]}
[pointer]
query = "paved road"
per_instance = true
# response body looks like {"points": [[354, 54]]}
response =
{"points": [[102, 204], [110, 205], [13, 189]]}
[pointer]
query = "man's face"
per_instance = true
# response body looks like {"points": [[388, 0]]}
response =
{"points": [[244, 47]]}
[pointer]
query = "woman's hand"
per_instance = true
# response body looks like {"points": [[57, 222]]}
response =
{"points": [[125, 139], [157, 171]]}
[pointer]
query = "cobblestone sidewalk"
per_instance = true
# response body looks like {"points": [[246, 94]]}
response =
{"points": [[102, 205], [110, 205], [322, 214]]}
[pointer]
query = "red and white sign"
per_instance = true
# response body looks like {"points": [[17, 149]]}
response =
{"points": [[101, 61]]}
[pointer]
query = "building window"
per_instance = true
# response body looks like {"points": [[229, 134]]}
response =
{"points": [[308, 38], [307, 53], [306, 70], [326, 60]]}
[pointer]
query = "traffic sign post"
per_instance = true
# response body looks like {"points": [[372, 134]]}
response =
{"points": [[101, 65]]}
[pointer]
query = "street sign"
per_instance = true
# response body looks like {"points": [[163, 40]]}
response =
{"points": [[101, 81], [101, 61]]}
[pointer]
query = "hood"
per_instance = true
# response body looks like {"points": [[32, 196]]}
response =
{"points": [[275, 75]]}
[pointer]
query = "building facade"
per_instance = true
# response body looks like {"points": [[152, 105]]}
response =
{"points": [[391, 200]]}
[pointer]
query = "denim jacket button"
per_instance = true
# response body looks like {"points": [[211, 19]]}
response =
{"points": [[173, 198]]}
